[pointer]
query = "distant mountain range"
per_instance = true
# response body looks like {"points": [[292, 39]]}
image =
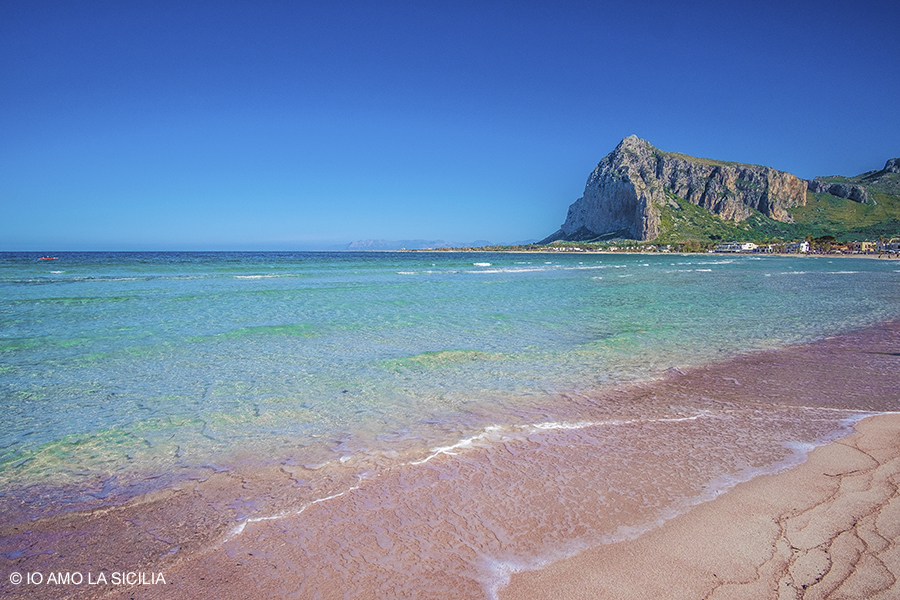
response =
{"points": [[639, 192], [385, 245], [375, 245]]}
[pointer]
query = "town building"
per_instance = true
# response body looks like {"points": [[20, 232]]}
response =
{"points": [[736, 247]]}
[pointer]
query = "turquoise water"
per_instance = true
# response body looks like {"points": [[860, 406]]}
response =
{"points": [[122, 372]]}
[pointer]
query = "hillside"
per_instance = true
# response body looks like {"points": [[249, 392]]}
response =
{"points": [[846, 218]]}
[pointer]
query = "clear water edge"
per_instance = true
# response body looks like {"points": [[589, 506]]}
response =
{"points": [[122, 354]]}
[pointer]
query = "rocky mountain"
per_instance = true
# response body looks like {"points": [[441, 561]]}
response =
{"points": [[850, 191], [627, 193], [861, 188]]}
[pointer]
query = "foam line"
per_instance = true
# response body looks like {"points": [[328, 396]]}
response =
{"points": [[293, 513]]}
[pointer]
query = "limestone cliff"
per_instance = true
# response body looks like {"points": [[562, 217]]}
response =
{"points": [[624, 194], [861, 188], [850, 191]]}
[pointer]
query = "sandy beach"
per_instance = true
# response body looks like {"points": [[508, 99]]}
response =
{"points": [[825, 529]]}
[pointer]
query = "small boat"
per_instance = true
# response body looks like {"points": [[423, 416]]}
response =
{"points": [[48, 257]]}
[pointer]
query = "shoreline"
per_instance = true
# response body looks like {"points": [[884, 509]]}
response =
{"points": [[883, 256], [361, 527], [828, 527]]}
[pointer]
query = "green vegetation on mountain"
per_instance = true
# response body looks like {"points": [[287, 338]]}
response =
{"points": [[823, 215], [846, 219], [850, 220]]}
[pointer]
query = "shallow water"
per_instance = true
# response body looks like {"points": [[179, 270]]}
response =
{"points": [[432, 416]]}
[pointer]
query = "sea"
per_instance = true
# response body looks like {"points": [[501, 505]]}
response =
{"points": [[418, 424]]}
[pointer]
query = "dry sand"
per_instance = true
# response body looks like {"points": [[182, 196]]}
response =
{"points": [[825, 529]]}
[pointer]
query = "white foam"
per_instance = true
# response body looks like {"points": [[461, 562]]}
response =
{"points": [[239, 529], [492, 431], [464, 443], [510, 270], [575, 425]]}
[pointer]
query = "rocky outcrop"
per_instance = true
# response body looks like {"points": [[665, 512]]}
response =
{"points": [[850, 191], [861, 188], [624, 194], [885, 178]]}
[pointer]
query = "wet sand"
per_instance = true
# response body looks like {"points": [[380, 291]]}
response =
{"points": [[828, 528], [628, 492]]}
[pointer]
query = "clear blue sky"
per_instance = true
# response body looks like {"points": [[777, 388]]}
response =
{"points": [[299, 125]]}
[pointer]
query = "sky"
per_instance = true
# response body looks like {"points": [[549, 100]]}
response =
{"points": [[299, 125]]}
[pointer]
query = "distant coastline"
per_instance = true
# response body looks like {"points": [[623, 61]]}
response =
{"points": [[581, 250]]}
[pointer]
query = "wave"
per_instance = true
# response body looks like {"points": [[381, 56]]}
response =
{"points": [[501, 433], [548, 267], [463, 443], [237, 530]]}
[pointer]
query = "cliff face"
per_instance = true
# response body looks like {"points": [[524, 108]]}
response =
{"points": [[860, 188], [850, 191], [623, 195]]}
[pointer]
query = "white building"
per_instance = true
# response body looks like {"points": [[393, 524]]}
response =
{"points": [[802, 247], [736, 247]]}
